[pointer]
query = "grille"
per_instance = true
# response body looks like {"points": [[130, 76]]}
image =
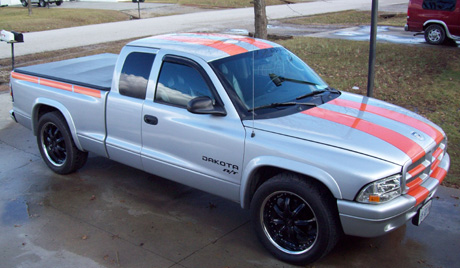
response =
{"points": [[422, 169]]}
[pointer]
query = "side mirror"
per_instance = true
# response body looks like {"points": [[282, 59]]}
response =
{"points": [[204, 105]]}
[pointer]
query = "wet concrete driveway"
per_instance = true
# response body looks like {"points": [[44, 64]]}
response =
{"points": [[110, 215]]}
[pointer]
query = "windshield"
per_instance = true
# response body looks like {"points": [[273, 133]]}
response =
{"points": [[276, 75]]}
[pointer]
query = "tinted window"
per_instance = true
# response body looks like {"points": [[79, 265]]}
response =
{"points": [[447, 5], [179, 83], [135, 74]]}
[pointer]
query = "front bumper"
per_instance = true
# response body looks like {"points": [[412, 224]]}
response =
{"points": [[368, 220]]}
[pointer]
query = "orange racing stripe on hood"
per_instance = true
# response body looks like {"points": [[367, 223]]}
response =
{"points": [[402, 118], [408, 146]]}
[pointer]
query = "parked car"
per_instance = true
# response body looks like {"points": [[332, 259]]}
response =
{"points": [[244, 119], [41, 3], [438, 19]]}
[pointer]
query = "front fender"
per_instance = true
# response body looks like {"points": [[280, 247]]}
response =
{"points": [[289, 165], [39, 102]]}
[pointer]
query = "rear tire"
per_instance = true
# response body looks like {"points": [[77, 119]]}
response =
{"points": [[295, 219], [24, 3], [58, 3], [56, 145], [435, 34]]}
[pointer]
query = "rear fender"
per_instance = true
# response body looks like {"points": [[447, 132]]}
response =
{"points": [[40, 102], [440, 22]]}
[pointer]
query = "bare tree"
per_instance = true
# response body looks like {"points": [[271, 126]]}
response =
{"points": [[260, 22]]}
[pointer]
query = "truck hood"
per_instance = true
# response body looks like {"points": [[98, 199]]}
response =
{"points": [[360, 124]]}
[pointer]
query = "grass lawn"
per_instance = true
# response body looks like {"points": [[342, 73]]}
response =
{"points": [[18, 19], [422, 79], [351, 18]]}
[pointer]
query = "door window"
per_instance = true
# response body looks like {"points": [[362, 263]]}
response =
{"points": [[179, 83], [135, 74]]}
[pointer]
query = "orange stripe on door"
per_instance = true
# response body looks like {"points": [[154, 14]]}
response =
{"points": [[408, 146], [402, 118]]}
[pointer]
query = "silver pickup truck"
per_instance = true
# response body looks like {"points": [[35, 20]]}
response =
{"points": [[244, 119]]}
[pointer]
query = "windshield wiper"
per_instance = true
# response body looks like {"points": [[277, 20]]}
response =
{"points": [[278, 80], [313, 93], [281, 104], [316, 92]]}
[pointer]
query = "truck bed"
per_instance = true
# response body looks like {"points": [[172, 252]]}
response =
{"points": [[94, 71]]}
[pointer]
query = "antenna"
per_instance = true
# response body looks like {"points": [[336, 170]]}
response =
{"points": [[253, 134]]}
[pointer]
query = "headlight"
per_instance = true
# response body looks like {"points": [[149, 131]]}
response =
{"points": [[381, 191]]}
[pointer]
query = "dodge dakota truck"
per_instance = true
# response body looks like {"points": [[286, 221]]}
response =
{"points": [[244, 119]]}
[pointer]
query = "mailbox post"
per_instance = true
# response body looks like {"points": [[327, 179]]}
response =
{"points": [[11, 37]]}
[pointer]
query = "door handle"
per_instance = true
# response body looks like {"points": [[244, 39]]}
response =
{"points": [[150, 119]]}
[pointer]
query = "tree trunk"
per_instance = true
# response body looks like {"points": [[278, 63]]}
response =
{"points": [[29, 5], [260, 22]]}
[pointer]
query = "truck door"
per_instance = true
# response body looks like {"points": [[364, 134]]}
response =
{"points": [[124, 107], [200, 150]]}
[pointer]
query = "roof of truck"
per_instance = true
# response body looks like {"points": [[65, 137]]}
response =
{"points": [[209, 46]]}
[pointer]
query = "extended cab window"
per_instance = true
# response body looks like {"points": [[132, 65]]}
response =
{"points": [[135, 74], [179, 83], [446, 5]]}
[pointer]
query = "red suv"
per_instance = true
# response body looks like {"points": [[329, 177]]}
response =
{"points": [[439, 19]]}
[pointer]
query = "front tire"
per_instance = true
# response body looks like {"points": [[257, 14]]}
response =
{"points": [[435, 34], [56, 145], [295, 219], [24, 3]]}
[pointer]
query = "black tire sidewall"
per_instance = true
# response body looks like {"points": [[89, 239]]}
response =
{"points": [[317, 202], [58, 120]]}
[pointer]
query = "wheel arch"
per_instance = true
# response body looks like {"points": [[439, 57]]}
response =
{"points": [[261, 169], [43, 106], [441, 23]]}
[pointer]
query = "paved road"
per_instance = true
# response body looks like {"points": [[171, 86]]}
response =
{"points": [[212, 20], [111, 215]]}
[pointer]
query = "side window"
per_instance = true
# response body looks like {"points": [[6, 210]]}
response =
{"points": [[135, 74], [179, 83], [445, 5]]}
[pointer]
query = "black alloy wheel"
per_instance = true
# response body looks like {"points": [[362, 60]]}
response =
{"points": [[295, 218], [53, 144], [56, 144], [289, 222]]}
